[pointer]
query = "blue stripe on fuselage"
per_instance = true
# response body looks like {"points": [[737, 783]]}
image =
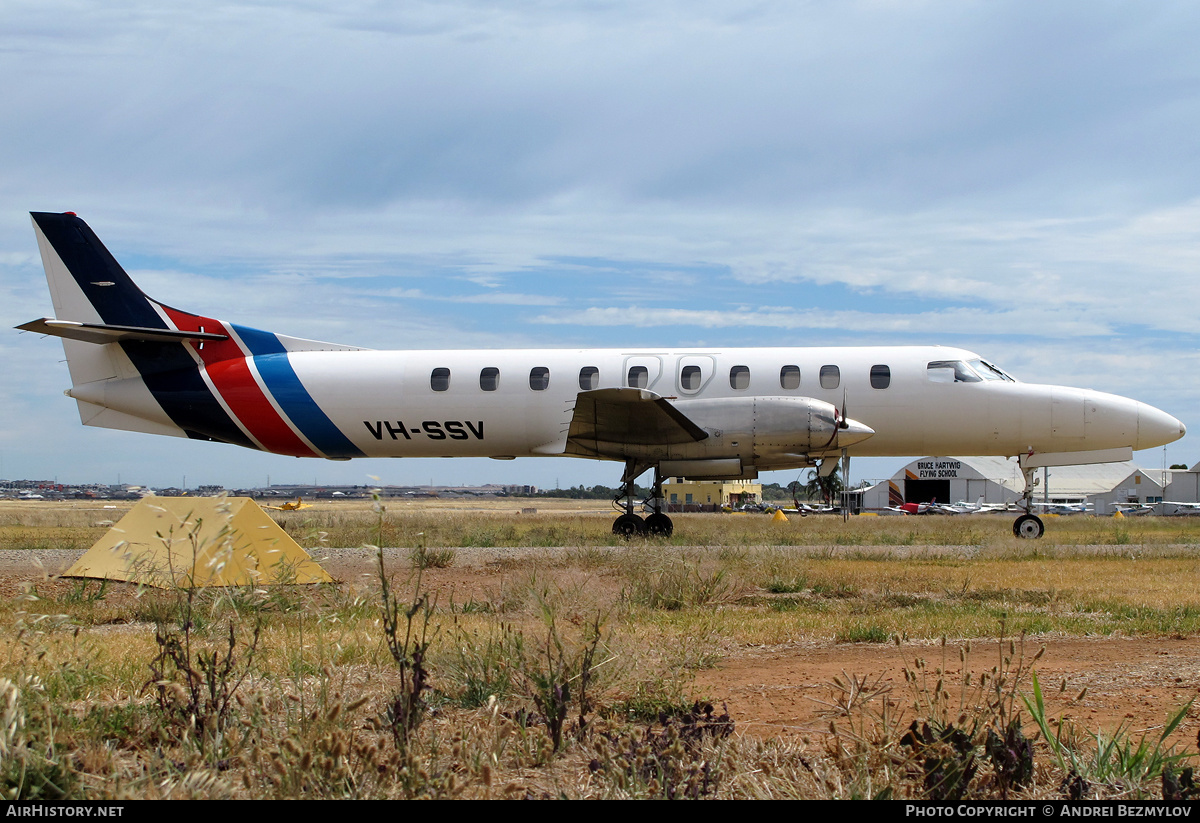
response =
{"points": [[281, 380]]}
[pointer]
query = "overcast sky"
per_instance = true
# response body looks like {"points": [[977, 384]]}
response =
{"points": [[1020, 179]]}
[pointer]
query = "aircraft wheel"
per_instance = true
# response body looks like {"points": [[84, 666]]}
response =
{"points": [[659, 525], [629, 525], [1028, 527]]}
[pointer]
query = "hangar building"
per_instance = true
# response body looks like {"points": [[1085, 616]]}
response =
{"points": [[999, 480]]}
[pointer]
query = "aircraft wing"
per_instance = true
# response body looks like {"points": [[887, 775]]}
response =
{"points": [[607, 420]]}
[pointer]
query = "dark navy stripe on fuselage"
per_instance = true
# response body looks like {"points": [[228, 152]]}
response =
{"points": [[271, 359], [167, 368]]}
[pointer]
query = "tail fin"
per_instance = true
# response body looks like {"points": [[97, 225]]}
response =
{"points": [[139, 365]]}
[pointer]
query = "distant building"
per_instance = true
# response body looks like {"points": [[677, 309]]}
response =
{"points": [[1138, 486], [999, 480], [1182, 487], [698, 495]]}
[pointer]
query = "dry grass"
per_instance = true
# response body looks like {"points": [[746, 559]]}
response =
{"points": [[572, 675]]}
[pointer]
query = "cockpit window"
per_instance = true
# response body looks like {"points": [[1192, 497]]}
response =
{"points": [[989, 372], [951, 371]]}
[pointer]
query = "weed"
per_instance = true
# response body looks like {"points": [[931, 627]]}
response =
{"points": [[1178, 787], [672, 584], [674, 762], [408, 649], [195, 687], [589, 557], [794, 585], [864, 634], [485, 668], [948, 758], [732, 554], [837, 591], [30, 767], [651, 699], [558, 667], [1011, 756], [83, 592], [195, 684], [851, 694], [423, 558], [1117, 761]]}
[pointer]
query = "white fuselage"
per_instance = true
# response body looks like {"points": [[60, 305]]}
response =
{"points": [[384, 401]]}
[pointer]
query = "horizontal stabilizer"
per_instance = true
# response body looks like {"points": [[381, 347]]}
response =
{"points": [[101, 333]]}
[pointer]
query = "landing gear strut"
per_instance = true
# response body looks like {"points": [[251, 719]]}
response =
{"points": [[629, 524], [1028, 526]]}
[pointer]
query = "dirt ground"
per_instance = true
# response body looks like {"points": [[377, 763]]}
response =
{"points": [[786, 690]]}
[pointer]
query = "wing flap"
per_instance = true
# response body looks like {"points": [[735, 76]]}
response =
{"points": [[605, 420]]}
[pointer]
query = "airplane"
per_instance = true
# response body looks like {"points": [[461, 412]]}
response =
{"points": [[916, 508], [1133, 509], [963, 507], [1064, 508], [290, 506], [139, 365]]}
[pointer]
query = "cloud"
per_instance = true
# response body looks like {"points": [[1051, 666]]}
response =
{"points": [[942, 322], [1003, 175]]}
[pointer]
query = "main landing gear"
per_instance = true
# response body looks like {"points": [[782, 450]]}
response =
{"points": [[1028, 526], [655, 524]]}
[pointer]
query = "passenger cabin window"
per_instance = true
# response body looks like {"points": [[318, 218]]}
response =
{"points": [[689, 378], [831, 377], [951, 371], [881, 377], [639, 376], [589, 378], [439, 379], [789, 377], [489, 379], [539, 378], [739, 378]]}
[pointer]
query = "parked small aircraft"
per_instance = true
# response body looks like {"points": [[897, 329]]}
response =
{"points": [[139, 365], [1133, 509], [1064, 508], [916, 508], [963, 507], [290, 506]]}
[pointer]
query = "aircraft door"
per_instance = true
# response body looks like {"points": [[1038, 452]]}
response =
{"points": [[693, 372], [1068, 417], [642, 371]]}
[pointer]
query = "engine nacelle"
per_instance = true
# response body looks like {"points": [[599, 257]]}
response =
{"points": [[775, 425]]}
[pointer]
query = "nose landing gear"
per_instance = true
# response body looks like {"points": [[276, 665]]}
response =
{"points": [[1028, 526]]}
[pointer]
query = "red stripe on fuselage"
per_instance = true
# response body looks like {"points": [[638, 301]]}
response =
{"points": [[230, 373]]}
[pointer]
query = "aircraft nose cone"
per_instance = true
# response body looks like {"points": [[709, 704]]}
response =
{"points": [[1157, 428], [853, 432]]}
